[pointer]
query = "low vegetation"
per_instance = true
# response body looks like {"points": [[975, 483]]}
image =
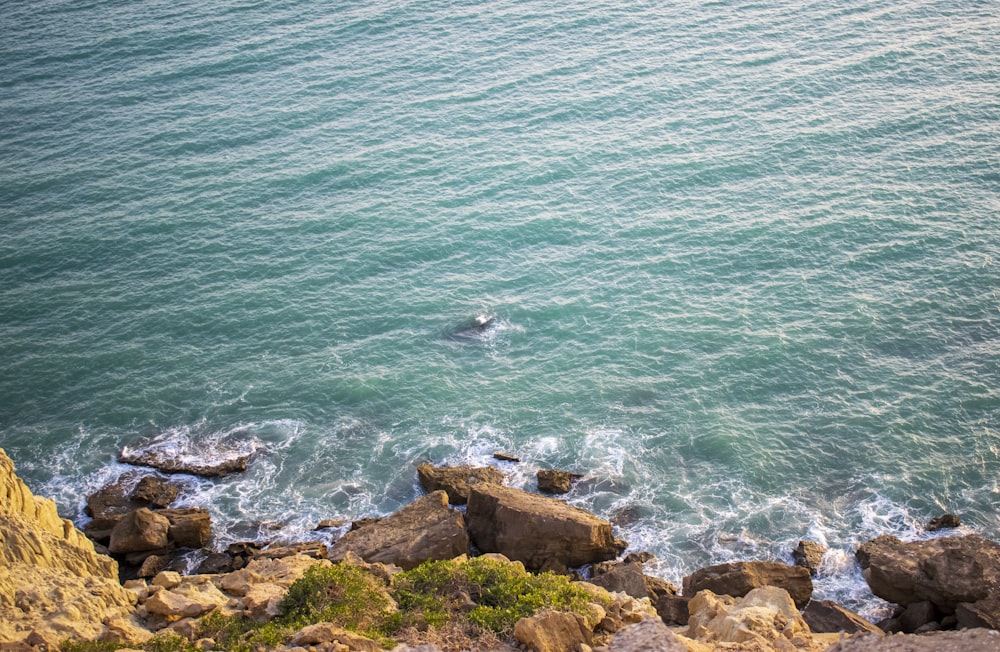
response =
{"points": [[454, 604]]}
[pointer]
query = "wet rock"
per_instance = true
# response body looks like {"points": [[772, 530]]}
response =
{"points": [[109, 504], [171, 464], [809, 554], [826, 616], [190, 527], [553, 631], [556, 482], [503, 457], [882, 542], [943, 522], [138, 531], [329, 524], [534, 529], [739, 578], [946, 571], [455, 480], [216, 563], [424, 530], [155, 491]]}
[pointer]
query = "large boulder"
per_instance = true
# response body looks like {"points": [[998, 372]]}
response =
{"points": [[190, 527], [553, 631], [426, 529], [739, 578], [762, 617], [155, 491], [536, 530], [945, 572], [455, 480], [53, 585], [192, 597], [140, 530], [826, 616]]}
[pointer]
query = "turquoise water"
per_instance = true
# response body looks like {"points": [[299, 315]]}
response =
{"points": [[742, 259]]}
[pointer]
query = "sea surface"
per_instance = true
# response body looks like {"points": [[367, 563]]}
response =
{"points": [[740, 261]]}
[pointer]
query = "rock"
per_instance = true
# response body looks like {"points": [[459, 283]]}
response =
{"points": [[503, 457], [968, 640], [424, 530], [673, 609], [762, 617], [314, 549], [364, 522], [826, 616], [109, 504], [628, 577], [455, 480], [944, 521], [52, 582], [638, 557], [865, 550], [189, 599], [322, 634], [282, 572], [809, 554], [261, 602], [167, 580], [329, 524], [946, 571], [553, 631], [171, 464], [190, 527], [984, 613], [216, 563], [535, 529], [139, 530], [155, 491], [648, 635], [916, 615], [152, 565], [739, 578], [556, 482]]}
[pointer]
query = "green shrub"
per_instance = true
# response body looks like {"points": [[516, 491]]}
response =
{"points": [[341, 594]]}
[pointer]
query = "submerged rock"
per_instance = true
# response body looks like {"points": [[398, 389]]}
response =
{"points": [[944, 521], [537, 530], [167, 463]]}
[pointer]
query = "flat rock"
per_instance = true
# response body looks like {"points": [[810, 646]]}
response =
{"points": [[945, 571], [739, 578], [967, 640], [425, 530], [828, 617], [556, 482], [171, 464], [455, 480], [537, 530]]}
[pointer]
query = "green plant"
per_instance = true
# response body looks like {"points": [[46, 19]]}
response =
{"points": [[342, 594]]}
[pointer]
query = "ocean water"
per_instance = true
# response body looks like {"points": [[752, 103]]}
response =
{"points": [[741, 260]]}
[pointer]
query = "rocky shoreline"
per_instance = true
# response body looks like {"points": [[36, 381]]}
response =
{"points": [[121, 586]]}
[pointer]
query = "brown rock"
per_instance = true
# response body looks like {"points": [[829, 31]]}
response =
{"points": [[170, 464], [109, 504], [945, 571], [155, 491], [503, 457], [649, 635], [138, 531], [364, 522], [190, 527], [944, 521], [424, 530], [556, 482], [535, 529], [739, 578], [553, 631], [809, 554], [152, 565], [968, 640], [916, 615], [673, 609], [188, 600], [826, 616], [881, 542], [984, 613], [455, 480], [314, 549], [629, 578], [216, 563], [323, 634], [762, 617]]}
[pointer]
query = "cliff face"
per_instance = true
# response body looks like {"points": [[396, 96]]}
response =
{"points": [[53, 585]]}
